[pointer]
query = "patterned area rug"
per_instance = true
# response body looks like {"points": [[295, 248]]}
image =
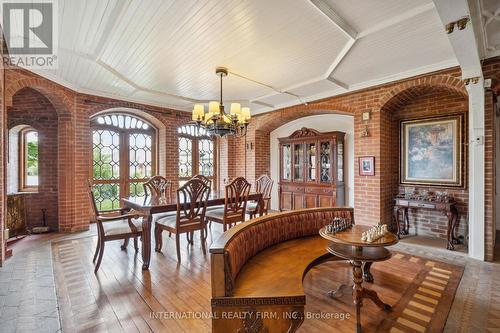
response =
{"points": [[425, 305]]}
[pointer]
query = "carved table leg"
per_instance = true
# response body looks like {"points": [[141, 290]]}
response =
{"points": [[357, 278], [372, 295], [146, 241], [454, 238], [449, 231], [367, 275], [396, 219], [406, 230]]}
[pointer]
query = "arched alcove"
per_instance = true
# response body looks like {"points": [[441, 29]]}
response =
{"points": [[30, 109]]}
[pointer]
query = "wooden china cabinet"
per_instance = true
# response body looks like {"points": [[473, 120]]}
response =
{"points": [[311, 170]]}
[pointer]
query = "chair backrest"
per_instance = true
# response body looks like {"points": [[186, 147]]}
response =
{"points": [[92, 199], [264, 185], [207, 181], [237, 196], [192, 200], [158, 186]]}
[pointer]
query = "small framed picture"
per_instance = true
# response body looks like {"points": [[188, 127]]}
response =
{"points": [[367, 166]]}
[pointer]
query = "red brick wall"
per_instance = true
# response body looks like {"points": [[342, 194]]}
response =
{"points": [[373, 194], [33, 109], [74, 111], [491, 69]]}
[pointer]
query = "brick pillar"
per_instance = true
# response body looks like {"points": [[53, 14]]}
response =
{"points": [[368, 189]]}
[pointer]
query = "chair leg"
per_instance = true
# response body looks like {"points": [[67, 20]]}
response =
{"points": [[158, 239], [99, 259], [97, 247], [169, 234], [203, 238], [178, 246], [136, 247], [125, 244], [224, 228]]}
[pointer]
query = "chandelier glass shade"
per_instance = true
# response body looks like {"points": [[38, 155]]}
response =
{"points": [[216, 121]]}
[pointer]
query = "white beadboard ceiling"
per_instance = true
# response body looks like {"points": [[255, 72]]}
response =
{"points": [[164, 52]]}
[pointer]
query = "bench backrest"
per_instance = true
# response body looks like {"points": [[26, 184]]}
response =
{"points": [[244, 241]]}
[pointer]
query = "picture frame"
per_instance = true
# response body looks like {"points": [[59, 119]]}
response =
{"points": [[432, 151], [367, 166]]}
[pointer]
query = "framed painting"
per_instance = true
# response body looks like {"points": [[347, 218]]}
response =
{"points": [[367, 166], [431, 151]]}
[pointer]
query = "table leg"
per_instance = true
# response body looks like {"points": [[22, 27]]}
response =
{"points": [[406, 221], [357, 291], [454, 238], [396, 218], [146, 241], [367, 275], [449, 231]]}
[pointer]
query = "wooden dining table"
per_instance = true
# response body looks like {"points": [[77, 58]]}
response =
{"points": [[150, 205]]}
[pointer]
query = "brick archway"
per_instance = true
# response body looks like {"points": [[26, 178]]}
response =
{"points": [[407, 91], [271, 121], [55, 94]]}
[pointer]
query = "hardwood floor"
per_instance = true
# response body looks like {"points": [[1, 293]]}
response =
{"points": [[122, 297]]}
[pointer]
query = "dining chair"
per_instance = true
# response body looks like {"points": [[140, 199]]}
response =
{"points": [[235, 204], [158, 186], [192, 200], [207, 181], [114, 226], [263, 185]]}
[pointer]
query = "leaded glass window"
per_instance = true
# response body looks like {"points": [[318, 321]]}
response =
{"points": [[124, 157], [197, 154]]}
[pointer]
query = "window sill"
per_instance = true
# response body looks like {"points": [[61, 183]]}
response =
{"points": [[23, 193]]}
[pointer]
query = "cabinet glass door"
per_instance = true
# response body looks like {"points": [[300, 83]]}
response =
{"points": [[340, 163], [287, 162], [311, 162], [326, 161], [298, 162]]}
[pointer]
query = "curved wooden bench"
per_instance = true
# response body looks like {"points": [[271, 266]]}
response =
{"points": [[258, 268]]}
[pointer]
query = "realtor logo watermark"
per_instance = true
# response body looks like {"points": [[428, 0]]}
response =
{"points": [[30, 31]]}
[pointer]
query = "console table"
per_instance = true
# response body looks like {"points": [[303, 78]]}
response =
{"points": [[348, 245], [401, 206]]}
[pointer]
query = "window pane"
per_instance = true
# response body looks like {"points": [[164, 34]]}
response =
{"points": [[206, 162], [31, 158], [141, 161], [185, 158], [137, 190], [106, 155], [107, 196]]}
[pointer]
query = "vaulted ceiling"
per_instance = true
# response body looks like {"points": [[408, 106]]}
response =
{"points": [[278, 52]]}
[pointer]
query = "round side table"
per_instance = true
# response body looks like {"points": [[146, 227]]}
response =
{"points": [[348, 245]]}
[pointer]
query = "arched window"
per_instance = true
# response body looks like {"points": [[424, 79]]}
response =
{"points": [[28, 159], [123, 157], [197, 154]]}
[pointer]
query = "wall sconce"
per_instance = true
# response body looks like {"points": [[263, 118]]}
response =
{"points": [[250, 146], [365, 133], [365, 117]]}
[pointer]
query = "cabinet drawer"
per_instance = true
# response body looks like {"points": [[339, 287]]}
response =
{"points": [[292, 188], [320, 191], [422, 205]]}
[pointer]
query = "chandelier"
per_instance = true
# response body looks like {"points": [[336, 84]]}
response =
{"points": [[216, 121]]}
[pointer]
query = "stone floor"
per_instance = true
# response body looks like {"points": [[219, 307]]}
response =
{"points": [[28, 300]]}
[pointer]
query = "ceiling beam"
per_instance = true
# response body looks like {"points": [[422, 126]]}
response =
{"points": [[463, 41], [325, 8]]}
